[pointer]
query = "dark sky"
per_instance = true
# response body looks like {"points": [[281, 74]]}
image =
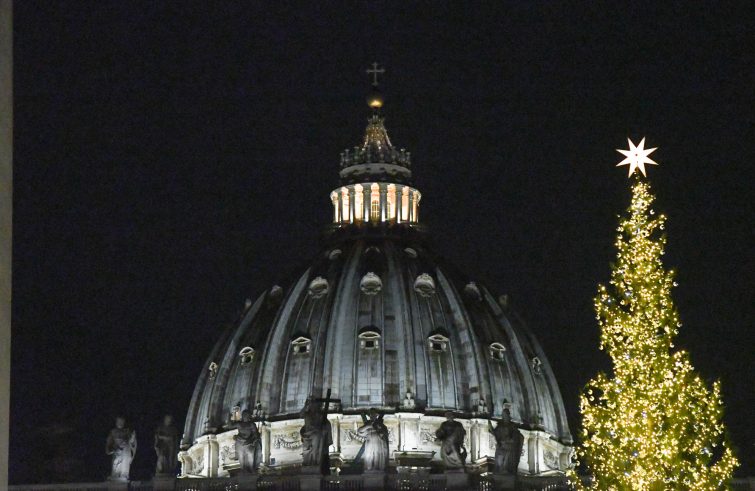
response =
{"points": [[173, 159]]}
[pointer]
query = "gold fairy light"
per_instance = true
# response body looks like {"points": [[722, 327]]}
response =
{"points": [[652, 423]]}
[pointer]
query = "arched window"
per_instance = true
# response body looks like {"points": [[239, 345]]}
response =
{"points": [[496, 351], [369, 340], [358, 203], [301, 345], [391, 201], [334, 199], [437, 343], [247, 355], [405, 204], [345, 205], [375, 202]]}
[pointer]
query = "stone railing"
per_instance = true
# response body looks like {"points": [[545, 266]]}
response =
{"points": [[392, 482]]}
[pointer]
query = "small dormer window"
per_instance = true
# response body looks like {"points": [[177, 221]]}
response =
{"points": [[301, 345], [437, 343], [537, 365], [424, 285], [318, 287], [247, 355], [497, 351], [369, 340]]}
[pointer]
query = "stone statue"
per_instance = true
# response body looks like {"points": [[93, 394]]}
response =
{"points": [[508, 444], [375, 434], [248, 443], [408, 401], [316, 436], [482, 406], [121, 445], [451, 435], [166, 446]]}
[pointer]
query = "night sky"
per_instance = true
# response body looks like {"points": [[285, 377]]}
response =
{"points": [[172, 160]]}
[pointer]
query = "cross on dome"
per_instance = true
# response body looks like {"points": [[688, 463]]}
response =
{"points": [[374, 71]]}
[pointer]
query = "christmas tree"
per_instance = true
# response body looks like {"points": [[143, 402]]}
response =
{"points": [[652, 424]]}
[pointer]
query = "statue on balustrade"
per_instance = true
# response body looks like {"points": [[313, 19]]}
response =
{"points": [[316, 435], [248, 443], [451, 436], [375, 434], [508, 444], [121, 446], [166, 446]]}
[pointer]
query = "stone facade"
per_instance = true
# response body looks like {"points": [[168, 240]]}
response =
{"points": [[410, 435]]}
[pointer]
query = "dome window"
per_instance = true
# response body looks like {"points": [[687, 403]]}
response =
{"points": [[437, 343], [371, 284], [496, 351], [247, 355], [318, 287], [472, 291], [537, 365], [369, 340], [301, 345], [424, 285]]}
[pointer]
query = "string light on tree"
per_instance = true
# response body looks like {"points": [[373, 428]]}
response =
{"points": [[637, 156], [653, 423]]}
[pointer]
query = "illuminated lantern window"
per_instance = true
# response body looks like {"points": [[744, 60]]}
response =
{"points": [[405, 204], [369, 340], [301, 345], [358, 202], [345, 205], [391, 198], [437, 343], [334, 199], [415, 203], [374, 202], [496, 351], [247, 355]]}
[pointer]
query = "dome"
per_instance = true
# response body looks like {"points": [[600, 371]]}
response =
{"points": [[378, 320]]}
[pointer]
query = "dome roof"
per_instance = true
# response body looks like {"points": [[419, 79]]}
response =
{"points": [[377, 314], [376, 320]]}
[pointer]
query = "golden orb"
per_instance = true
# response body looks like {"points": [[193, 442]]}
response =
{"points": [[375, 98]]}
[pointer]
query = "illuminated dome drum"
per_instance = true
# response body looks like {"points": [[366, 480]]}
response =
{"points": [[382, 322]]}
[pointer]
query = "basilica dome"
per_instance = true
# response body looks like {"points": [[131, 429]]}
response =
{"points": [[377, 320]]}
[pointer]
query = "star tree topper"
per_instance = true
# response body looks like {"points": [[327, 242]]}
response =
{"points": [[637, 156]]}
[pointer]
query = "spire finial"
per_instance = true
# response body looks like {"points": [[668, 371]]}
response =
{"points": [[375, 71], [375, 98]]}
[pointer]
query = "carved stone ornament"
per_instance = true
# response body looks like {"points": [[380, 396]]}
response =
{"points": [[213, 368], [371, 284], [290, 441], [318, 287], [424, 285], [334, 254], [410, 252], [228, 453]]}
